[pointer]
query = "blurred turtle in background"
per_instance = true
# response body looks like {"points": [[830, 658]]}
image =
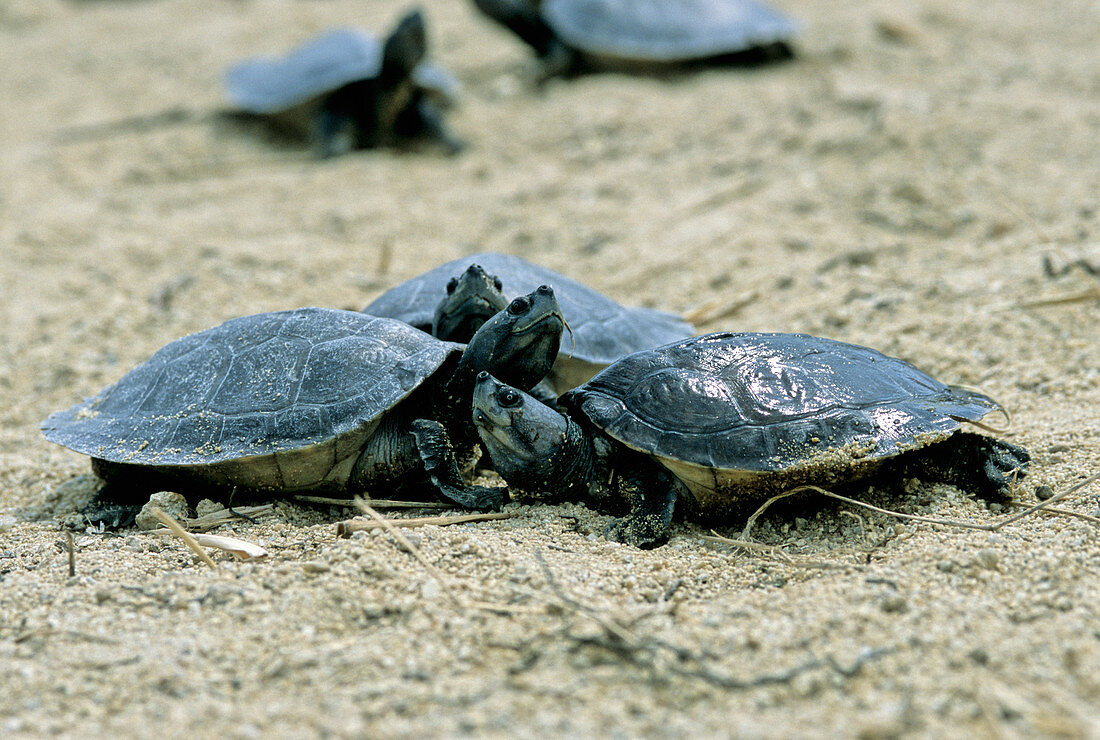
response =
{"points": [[351, 91], [572, 36]]}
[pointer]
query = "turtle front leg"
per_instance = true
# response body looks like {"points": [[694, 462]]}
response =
{"points": [[334, 133], [983, 465], [651, 495], [437, 453], [425, 119]]}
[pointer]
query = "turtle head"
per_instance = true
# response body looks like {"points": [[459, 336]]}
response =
{"points": [[528, 441], [472, 298], [520, 343], [404, 48]]}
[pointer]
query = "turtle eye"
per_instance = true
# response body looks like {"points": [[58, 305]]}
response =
{"points": [[497, 284], [508, 398], [519, 305], [451, 285]]}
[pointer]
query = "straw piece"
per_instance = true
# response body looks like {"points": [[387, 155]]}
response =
{"points": [[180, 532], [344, 529], [242, 549]]}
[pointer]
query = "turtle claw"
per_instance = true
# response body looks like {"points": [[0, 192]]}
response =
{"points": [[485, 498], [644, 532], [1002, 465], [110, 515]]}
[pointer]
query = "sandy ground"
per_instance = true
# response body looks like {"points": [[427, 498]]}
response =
{"points": [[909, 182]]}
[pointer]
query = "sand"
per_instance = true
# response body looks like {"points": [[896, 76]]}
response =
{"points": [[916, 180]]}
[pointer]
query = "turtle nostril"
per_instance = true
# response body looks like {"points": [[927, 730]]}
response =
{"points": [[483, 375], [546, 290]]}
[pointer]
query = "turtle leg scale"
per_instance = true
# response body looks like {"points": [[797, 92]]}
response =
{"points": [[438, 456], [652, 498]]}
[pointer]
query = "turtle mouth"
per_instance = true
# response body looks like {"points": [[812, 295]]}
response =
{"points": [[496, 429], [554, 318]]}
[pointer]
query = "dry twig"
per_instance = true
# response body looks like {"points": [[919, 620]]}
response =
{"points": [[377, 503], [242, 549], [715, 310], [223, 516], [1092, 294], [71, 547], [180, 532], [1043, 505], [345, 528], [653, 653], [413, 550]]}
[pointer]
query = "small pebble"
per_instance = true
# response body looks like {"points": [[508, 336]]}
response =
{"points": [[172, 503], [431, 589], [1044, 493], [989, 559], [206, 507], [895, 604]]}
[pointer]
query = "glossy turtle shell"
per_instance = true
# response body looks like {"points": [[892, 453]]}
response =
{"points": [[736, 407]]}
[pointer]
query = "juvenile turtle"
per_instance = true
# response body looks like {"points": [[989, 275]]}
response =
{"points": [[452, 299], [351, 91], [723, 420], [575, 35], [313, 399]]}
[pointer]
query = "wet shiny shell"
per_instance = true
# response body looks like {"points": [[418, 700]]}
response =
{"points": [[666, 30], [603, 330], [730, 407], [298, 390]]}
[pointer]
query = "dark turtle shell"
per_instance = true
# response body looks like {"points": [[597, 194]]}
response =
{"points": [[334, 59], [666, 30], [258, 397], [764, 403], [603, 330]]}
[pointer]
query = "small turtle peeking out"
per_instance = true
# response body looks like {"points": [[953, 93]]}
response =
{"points": [[715, 422], [313, 399], [575, 36], [452, 300], [471, 299], [351, 92]]}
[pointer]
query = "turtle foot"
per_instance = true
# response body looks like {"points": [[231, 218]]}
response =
{"points": [[438, 457], [644, 532], [1003, 464], [982, 465], [110, 514]]}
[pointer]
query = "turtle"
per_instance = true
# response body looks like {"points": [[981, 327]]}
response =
{"points": [[350, 90], [719, 421], [450, 300], [312, 399], [572, 36]]}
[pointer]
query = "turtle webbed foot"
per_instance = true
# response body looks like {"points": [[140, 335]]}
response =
{"points": [[437, 455], [1002, 465], [480, 498], [110, 514], [985, 466]]}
